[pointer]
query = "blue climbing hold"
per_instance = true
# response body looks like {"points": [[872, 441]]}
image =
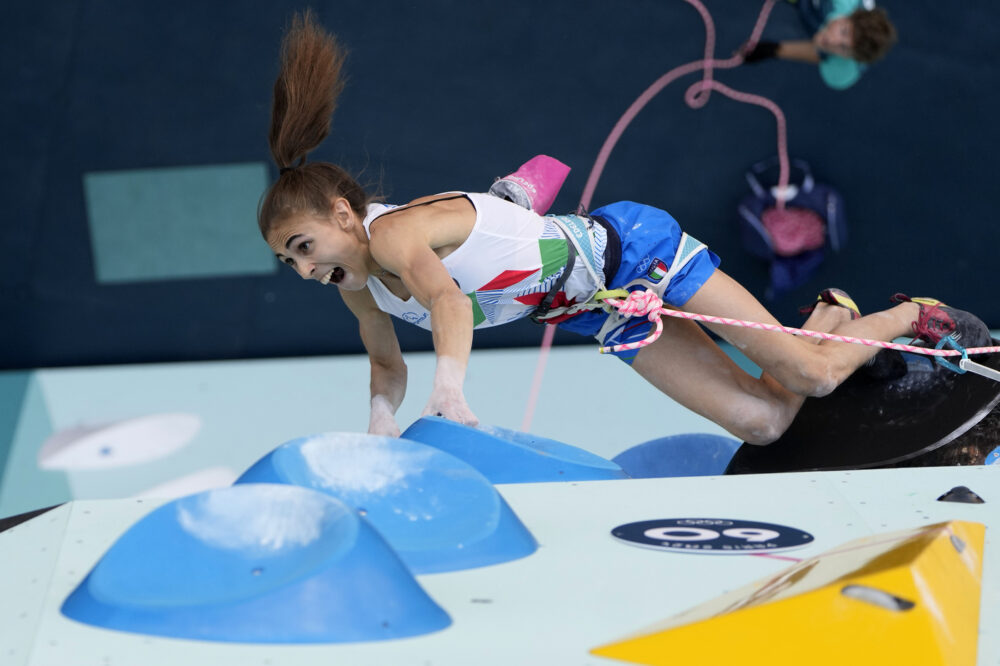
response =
{"points": [[694, 454], [437, 512], [509, 456], [256, 563]]}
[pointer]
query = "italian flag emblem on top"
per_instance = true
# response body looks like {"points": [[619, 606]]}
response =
{"points": [[657, 271]]}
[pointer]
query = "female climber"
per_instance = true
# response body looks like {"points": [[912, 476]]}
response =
{"points": [[458, 261]]}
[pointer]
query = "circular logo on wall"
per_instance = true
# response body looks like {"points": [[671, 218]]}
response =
{"points": [[712, 535]]}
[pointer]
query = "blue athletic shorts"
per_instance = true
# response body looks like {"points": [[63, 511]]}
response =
{"points": [[649, 240]]}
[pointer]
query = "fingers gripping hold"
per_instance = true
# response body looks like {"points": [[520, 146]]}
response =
{"points": [[447, 399], [451, 406]]}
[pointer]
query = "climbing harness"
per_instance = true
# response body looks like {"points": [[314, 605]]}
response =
{"points": [[582, 243]]}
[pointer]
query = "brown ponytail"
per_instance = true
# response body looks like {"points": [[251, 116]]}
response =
{"points": [[305, 96]]}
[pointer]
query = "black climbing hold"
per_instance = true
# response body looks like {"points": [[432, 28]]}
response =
{"points": [[872, 419], [961, 494]]}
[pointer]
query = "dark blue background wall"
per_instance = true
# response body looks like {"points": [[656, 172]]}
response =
{"points": [[448, 95]]}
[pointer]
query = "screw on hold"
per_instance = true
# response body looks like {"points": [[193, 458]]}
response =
{"points": [[877, 597], [961, 494]]}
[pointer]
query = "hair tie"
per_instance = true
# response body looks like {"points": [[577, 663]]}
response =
{"points": [[283, 170]]}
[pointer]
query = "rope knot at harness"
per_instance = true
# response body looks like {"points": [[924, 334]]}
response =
{"points": [[639, 302]]}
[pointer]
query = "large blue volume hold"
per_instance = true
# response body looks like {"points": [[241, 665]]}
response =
{"points": [[437, 512], [259, 563], [509, 456], [689, 454]]}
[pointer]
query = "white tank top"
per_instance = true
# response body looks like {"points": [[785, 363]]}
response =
{"points": [[506, 266]]}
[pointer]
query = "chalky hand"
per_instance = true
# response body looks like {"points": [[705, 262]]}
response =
{"points": [[450, 404]]}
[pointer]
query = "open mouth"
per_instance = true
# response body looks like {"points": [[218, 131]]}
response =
{"points": [[334, 276]]}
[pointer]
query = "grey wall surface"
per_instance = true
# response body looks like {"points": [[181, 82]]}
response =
{"points": [[448, 95]]}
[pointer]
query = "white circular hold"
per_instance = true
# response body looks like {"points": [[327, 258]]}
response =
{"points": [[129, 442]]}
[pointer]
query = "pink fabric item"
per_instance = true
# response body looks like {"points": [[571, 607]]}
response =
{"points": [[793, 230], [540, 177]]}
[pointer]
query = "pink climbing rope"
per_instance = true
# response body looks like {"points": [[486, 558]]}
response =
{"points": [[627, 307], [695, 97], [536, 382]]}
